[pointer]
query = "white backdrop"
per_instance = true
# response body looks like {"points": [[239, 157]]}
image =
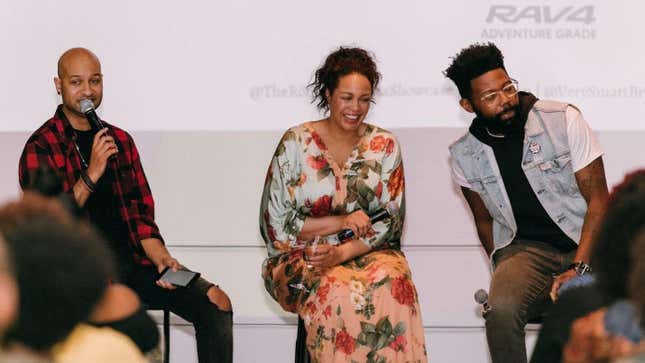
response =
{"points": [[197, 80], [243, 65]]}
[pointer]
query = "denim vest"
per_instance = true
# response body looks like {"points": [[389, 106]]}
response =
{"points": [[546, 161]]}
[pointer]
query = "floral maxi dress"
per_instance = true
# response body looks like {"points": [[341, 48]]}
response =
{"points": [[367, 309]]}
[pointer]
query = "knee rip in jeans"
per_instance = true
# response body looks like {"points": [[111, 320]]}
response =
{"points": [[219, 299]]}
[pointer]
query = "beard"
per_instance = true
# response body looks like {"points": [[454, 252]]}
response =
{"points": [[498, 125]]}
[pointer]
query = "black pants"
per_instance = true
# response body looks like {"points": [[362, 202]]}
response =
{"points": [[213, 327]]}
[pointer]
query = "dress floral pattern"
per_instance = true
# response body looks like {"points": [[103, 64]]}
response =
{"points": [[367, 309]]}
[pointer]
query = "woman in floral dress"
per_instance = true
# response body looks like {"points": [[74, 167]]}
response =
{"points": [[356, 297]]}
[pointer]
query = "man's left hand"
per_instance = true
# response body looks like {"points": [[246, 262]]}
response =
{"points": [[559, 280], [172, 263]]}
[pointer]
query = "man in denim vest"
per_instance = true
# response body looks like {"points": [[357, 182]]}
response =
{"points": [[532, 174]]}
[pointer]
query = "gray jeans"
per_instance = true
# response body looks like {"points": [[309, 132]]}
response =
{"points": [[519, 293]]}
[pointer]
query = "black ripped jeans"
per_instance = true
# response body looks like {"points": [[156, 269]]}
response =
{"points": [[213, 327]]}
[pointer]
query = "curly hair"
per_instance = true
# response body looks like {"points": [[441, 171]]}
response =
{"points": [[637, 275], [612, 251], [61, 266], [340, 63], [471, 63]]}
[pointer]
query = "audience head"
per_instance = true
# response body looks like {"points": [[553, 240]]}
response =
{"points": [[637, 275], [614, 245], [61, 266], [8, 290], [46, 182]]}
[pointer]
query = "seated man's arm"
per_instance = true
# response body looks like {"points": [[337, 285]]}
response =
{"points": [[593, 187], [589, 171], [142, 211], [158, 254], [483, 219]]}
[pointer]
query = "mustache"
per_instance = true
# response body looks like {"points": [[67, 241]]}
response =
{"points": [[498, 124], [508, 108]]}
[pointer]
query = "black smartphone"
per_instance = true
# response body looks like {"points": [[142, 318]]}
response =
{"points": [[180, 278]]}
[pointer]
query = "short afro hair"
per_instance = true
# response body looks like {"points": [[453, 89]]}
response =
{"points": [[340, 63], [471, 63], [637, 275], [61, 266], [612, 250]]}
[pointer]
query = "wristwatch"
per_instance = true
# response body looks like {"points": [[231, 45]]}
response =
{"points": [[580, 267]]}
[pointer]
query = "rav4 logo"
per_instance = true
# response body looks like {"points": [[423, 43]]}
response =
{"points": [[541, 14]]}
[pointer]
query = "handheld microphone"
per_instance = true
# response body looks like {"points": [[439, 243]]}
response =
{"points": [[622, 318], [481, 297], [87, 107], [391, 209]]}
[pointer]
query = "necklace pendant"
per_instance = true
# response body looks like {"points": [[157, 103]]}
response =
{"points": [[492, 134]]}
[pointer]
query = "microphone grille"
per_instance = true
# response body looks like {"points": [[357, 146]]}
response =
{"points": [[481, 296], [86, 105], [392, 208]]}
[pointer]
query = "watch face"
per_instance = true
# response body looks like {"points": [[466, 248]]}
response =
{"points": [[582, 268]]}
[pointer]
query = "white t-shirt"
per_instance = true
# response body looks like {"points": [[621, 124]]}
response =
{"points": [[583, 144]]}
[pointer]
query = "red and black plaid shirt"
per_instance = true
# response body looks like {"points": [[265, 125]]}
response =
{"points": [[53, 144]]}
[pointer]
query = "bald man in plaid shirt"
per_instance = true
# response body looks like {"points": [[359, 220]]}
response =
{"points": [[102, 171]]}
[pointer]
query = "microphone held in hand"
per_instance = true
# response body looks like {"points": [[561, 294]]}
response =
{"points": [[87, 107], [391, 209], [481, 297]]}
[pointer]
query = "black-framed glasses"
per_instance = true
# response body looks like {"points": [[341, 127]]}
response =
{"points": [[493, 97]]}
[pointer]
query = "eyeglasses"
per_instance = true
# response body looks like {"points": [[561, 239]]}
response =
{"points": [[493, 97]]}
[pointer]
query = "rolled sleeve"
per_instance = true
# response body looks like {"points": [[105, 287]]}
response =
{"points": [[457, 174], [583, 143], [139, 203]]}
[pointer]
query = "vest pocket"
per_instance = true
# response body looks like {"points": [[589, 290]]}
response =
{"points": [[558, 174]]}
